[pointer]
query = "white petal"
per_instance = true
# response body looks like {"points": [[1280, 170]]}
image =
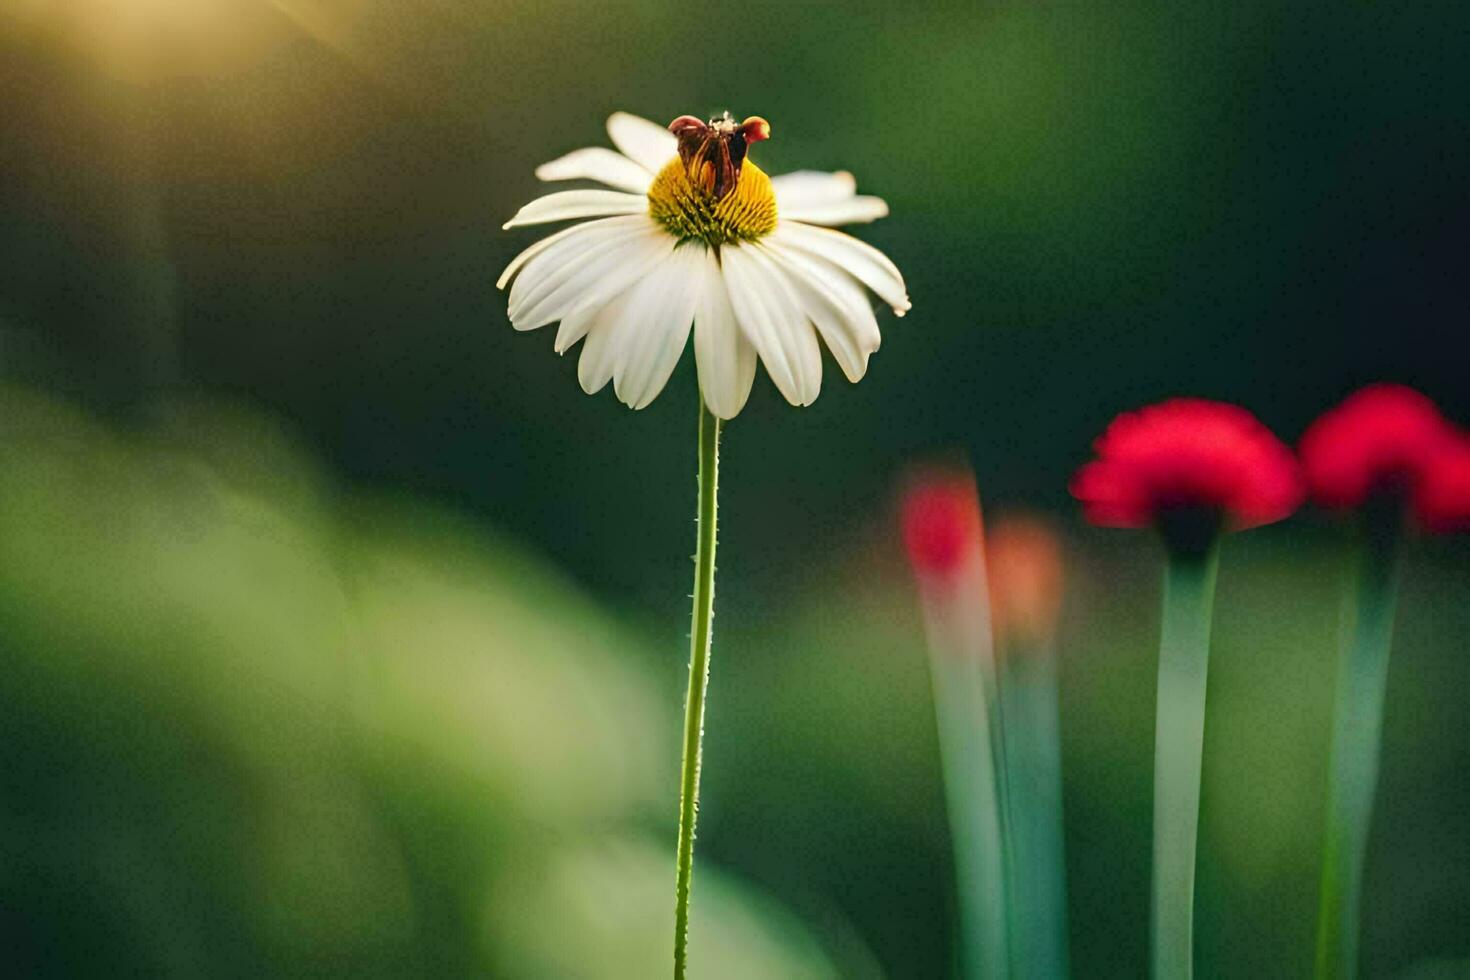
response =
{"points": [[573, 274], [551, 261], [812, 187], [546, 264], [577, 204], [636, 339], [539, 247], [772, 320], [603, 277], [574, 325], [658, 328], [645, 143], [855, 257], [595, 366], [855, 210], [824, 199], [725, 359], [599, 164], [836, 304]]}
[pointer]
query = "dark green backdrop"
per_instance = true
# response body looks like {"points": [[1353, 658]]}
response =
{"points": [[1094, 205]]}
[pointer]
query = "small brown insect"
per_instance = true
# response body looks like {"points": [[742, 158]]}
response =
{"points": [[713, 152]]}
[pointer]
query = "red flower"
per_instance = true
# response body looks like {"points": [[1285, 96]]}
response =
{"points": [[1443, 501], [1381, 438], [1188, 454], [941, 522]]}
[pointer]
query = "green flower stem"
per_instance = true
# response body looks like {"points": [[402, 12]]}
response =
{"points": [[959, 645], [699, 646], [1034, 779], [1184, 649], [1362, 676]]}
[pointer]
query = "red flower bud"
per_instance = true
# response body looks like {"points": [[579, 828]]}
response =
{"points": [[941, 522]]}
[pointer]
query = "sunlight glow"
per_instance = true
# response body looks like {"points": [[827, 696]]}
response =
{"points": [[149, 40]]}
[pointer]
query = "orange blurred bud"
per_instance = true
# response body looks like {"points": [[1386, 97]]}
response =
{"points": [[1024, 559]]}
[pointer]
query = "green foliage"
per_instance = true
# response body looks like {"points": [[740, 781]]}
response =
{"points": [[255, 726]]}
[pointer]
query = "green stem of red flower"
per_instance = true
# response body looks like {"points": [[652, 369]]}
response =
{"points": [[699, 649], [1184, 648], [961, 665], [1362, 676], [1033, 770]]}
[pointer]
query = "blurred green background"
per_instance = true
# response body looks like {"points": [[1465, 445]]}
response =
{"points": [[343, 634]]}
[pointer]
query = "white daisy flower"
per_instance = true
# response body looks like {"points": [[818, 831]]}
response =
{"points": [[695, 233]]}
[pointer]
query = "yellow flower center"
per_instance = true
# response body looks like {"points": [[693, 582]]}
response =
{"points": [[689, 209]]}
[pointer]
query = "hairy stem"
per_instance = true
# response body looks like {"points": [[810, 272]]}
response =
{"points": [[699, 647]]}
